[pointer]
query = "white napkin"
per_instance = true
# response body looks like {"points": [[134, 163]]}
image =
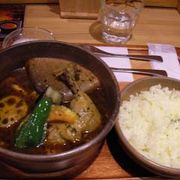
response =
{"points": [[170, 60], [121, 62]]}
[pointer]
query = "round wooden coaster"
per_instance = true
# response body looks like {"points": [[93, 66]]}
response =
{"points": [[96, 31]]}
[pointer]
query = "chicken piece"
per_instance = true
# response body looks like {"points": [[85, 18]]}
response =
{"points": [[59, 133], [89, 116], [54, 134], [70, 132]]}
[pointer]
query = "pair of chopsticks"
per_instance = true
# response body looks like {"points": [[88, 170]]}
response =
{"points": [[150, 72]]}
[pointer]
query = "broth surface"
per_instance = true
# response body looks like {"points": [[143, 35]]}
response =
{"points": [[19, 85]]}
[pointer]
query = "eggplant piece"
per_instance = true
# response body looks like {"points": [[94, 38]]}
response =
{"points": [[45, 72], [41, 72]]}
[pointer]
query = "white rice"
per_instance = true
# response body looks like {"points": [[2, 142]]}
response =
{"points": [[151, 123]]}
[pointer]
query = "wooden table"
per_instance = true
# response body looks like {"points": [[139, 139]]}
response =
{"points": [[155, 25]]}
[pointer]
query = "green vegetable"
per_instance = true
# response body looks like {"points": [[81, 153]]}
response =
{"points": [[32, 131]]}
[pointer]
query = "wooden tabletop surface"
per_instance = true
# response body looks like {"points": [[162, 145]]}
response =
{"points": [[155, 25]]}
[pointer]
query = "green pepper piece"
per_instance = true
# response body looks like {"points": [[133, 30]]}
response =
{"points": [[33, 130]]}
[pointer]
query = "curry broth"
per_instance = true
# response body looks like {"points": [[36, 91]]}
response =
{"points": [[29, 95]]}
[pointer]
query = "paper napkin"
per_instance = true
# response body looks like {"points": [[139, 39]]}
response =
{"points": [[170, 60], [118, 62]]}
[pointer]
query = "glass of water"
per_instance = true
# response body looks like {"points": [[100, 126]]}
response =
{"points": [[118, 19]]}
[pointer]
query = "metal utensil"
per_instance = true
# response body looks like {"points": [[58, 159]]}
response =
{"points": [[102, 53], [149, 72]]}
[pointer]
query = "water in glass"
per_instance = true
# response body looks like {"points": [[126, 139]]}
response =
{"points": [[118, 21]]}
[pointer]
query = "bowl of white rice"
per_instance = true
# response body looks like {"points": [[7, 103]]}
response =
{"points": [[149, 124]]}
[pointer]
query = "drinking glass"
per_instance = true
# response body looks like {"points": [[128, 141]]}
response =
{"points": [[118, 19]]}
